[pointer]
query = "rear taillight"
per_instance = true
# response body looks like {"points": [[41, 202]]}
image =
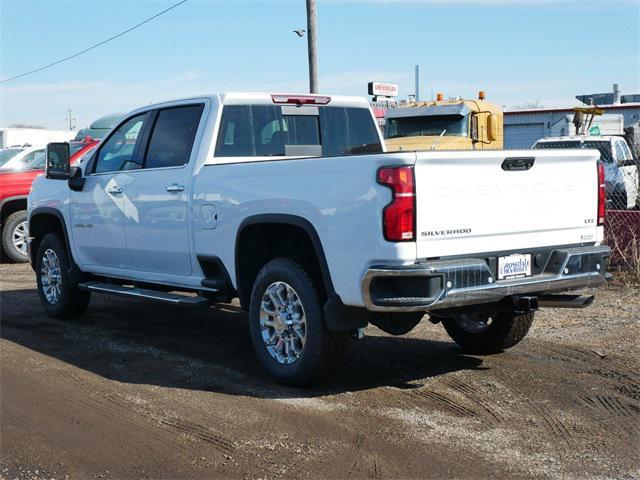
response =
{"points": [[602, 200], [399, 217], [301, 99]]}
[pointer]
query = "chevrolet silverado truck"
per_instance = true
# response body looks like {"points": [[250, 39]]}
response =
{"points": [[291, 204]]}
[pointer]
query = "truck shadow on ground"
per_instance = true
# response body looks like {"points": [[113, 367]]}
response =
{"points": [[143, 342]]}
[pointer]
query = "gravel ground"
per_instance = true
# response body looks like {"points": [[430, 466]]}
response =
{"points": [[135, 389]]}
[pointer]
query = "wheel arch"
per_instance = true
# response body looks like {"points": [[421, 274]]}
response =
{"points": [[264, 221], [43, 220], [11, 205]]}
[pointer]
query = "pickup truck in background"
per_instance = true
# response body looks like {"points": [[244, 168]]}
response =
{"points": [[290, 203]]}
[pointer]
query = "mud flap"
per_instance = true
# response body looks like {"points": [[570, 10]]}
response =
{"points": [[339, 317]]}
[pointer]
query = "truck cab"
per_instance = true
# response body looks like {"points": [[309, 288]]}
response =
{"points": [[454, 124]]}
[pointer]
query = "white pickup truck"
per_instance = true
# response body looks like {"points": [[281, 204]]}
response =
{"points": [[290, 203]]}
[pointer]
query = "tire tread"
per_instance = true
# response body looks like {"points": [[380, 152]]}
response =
{"points": [[332, 345]]}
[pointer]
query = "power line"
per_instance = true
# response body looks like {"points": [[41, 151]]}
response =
{"points": [[96, 45]]}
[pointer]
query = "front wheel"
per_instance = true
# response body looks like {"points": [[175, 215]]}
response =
{"points": [[488, 333], [59, 294], [287, 326]]}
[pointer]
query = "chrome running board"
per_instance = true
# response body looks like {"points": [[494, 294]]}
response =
{"points": [[166, 297]]}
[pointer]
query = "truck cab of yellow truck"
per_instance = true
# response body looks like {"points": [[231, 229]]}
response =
{"points": [[454, 124]]}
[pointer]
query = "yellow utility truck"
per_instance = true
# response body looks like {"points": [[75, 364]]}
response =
{"points": [[454, 124]]}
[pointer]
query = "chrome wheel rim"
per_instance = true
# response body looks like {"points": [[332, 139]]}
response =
{"points": [[474, 323], [282, 323], [19, 238], [51, 276]]}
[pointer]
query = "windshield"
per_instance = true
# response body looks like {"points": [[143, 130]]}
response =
{"points": [[8, 154], [428, 125], [270, 130], [34, 160], [603, 146]]}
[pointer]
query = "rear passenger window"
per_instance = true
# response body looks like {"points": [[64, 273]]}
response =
{"points": [[267, 130], [172, 136]]}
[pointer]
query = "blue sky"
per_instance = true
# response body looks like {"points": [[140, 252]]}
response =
{"points": [[517, 51]]}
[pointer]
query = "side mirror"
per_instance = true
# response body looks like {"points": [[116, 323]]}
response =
{"points": [[475, 134], [58, 156], [492, 127]]}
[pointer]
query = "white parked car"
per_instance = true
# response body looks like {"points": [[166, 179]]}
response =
{"points": [[290, 203], [23, 158]]}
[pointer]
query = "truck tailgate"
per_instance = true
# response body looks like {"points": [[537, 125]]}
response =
{"points": [[479, 202]]}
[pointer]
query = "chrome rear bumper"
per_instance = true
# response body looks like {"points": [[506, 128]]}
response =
{"points": [[469, 281]]}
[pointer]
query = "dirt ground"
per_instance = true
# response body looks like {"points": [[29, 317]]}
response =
{"points": [[134, 389]]}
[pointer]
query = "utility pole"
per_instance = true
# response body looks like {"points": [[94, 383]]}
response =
{"points": [[313, 45], [71, 120]]}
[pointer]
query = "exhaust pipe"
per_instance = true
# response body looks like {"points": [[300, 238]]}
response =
{"points": [[565, 301]]}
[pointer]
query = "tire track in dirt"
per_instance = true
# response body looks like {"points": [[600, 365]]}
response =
{"points": [[606, 368], [269, 416], [544, 421], [365, 463], [110, 405], [117, 410], [626, 415], [447, 404], [566, 362], [200, 432], [484, 402], [611, 412]]}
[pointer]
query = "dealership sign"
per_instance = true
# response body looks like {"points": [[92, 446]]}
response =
{"points": [[383, 89]]}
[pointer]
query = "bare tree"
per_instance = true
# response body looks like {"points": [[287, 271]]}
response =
{"points": [[529, 105], [25, 125]]}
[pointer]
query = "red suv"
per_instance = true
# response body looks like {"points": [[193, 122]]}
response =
{"points": [[14, 189]]}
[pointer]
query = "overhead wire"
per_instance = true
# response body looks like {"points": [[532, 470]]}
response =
{"points": [[57, 62]]}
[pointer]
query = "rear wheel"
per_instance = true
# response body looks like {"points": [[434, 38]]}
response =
{"points": [[488, 333], [288, 329], [59, 293], [14, 237]]}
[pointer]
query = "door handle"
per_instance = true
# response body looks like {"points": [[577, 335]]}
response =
{"points": [[174, 187], [114, 189]]}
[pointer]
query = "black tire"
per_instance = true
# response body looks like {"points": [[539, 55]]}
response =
{"points": [[506, 330], [71, 301], [14, 221], [322, 350]]}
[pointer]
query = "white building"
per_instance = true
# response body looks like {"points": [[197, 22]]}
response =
{"points": [[522, 128]]}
